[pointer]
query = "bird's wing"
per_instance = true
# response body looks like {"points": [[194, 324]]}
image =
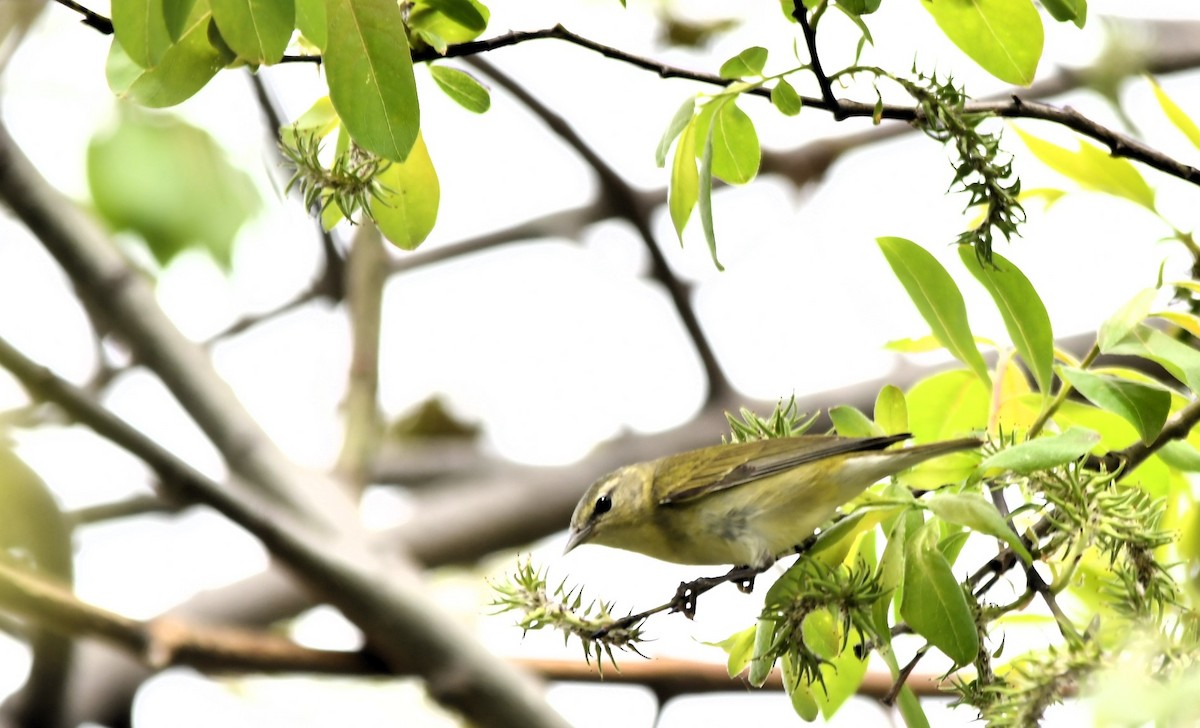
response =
{"points": [[716, 468]]}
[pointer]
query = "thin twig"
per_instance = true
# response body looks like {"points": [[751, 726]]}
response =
{"points": [[90, 19], [902, 677], [800, 13]]}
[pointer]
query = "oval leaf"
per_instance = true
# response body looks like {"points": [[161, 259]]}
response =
{"points": [[1144, 406], [257, 30], [785, 98], [370, 75], [736, 153], [185, 68], [1022, 309], [141, 28], [851, 422], [1122, 323], [934, 604], [749, 62], [1003, 36], [946, 405], [406, 207], [1044, 452], [937, 298], [891, 411], [463, 88], [1181, 360], [978, 514]]}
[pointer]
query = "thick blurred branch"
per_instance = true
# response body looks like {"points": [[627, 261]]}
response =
{"points": [[316, 530]]}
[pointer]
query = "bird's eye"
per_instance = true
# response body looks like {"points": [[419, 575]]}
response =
{"points": [[603, 504]]}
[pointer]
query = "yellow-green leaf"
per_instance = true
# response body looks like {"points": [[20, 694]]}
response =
{"points": [[1176, 115], [978, 514], [684, 188], [1093, 168], [937, 297], [891, 411], [736, 152], [1144, 406], [1003, 36], [1044, 452], [369, 70], [407, 204], [141, 28], [934, 604], [462, 87]]}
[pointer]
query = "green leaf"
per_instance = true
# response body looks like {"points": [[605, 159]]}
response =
{"points": [[910, 709], [1143, 406], [682, 119], [1176, 115], [851, 422], [1093, 169], [1181, 455], [785, 98], [978, 514], [320, 119], [1044, 452], [257, 30], [705, 200], [1181, 360], [761, 663], [1022, 309], [170, 183], [175, 14], [141, 28], [937, 298], [946, 405], [749, 62], [462, 12], [1064, 10], [736, 153], [740, 648], [429, 20], [370, 75], [798, 691], [684, 188], [1122, 323], [310, 21], [891, 411], [843, 675], [1003, 36], [406, 207], [934, 604], [462, 87], [182, 70]]}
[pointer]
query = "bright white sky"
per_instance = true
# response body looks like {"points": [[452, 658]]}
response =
{"points": [[553, 346]]}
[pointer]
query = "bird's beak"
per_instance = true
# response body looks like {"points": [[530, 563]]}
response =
{"points": [[578, 536]]}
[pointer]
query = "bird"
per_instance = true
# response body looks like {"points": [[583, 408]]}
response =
{"points": [[744, 504]]}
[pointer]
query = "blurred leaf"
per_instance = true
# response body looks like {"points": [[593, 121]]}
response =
{"points": [[176, 13], [184, 68], [1092, 168], [369, 70], [1022, 309], [1144, 406], [851, 422], [1115, 432], [1181, 455], [406, 205], [141, 28], [704, 199], [1181, 360], [170, 183], [748, 63], [762, 661], [978, 514], [1064, 10], [1044, 452], [320, 119], [257, 30], [798, 691], [1126, 318], [431, 420], [785, 98], [843, 675], [1176, 115], [934, 604], [462, 87], [464, 13], [1003, 36], [1189, 322], [891, 410], [937, 298], [739, 646]]}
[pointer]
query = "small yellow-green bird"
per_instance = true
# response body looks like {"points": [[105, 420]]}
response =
{"points": [[743, 504]]}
